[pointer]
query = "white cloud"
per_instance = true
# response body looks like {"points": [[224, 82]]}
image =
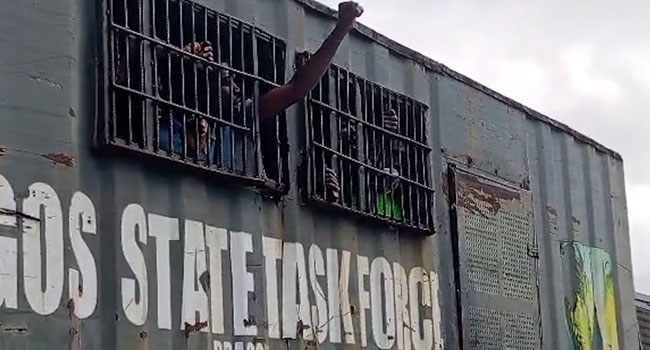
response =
{"points": [[585, 79]]}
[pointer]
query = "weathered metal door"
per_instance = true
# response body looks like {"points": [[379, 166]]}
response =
{"points": [[496, 258]]}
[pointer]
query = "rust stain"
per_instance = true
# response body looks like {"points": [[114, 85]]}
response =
{"points": [[71, 308], [75, 324], [194, 328], [61, 159], [13, 330]]}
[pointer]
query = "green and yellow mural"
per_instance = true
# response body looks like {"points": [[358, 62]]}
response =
{"points": [[591, 312]]}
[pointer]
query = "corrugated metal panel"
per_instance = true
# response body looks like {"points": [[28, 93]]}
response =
{"points": [[643, 316], [47, 109]]}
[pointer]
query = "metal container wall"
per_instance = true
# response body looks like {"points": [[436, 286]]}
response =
{"points": [[85, 236], [643, 317]]}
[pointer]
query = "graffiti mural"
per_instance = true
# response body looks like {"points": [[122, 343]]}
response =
{"points": [[591, 312]]}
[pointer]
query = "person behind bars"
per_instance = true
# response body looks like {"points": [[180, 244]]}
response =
{"points": [[217, 147], [385, 156]]}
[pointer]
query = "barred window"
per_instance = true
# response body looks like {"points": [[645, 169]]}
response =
{"points": [[184, 84], [374, 142]]}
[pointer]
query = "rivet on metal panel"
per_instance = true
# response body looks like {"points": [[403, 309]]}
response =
{"points": [[61, 159]]}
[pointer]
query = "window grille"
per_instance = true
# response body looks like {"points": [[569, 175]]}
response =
{"points": [[167, 102], [383, 173]]}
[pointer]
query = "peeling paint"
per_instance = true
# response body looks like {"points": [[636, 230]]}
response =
{"points": [[473, 192], [47, 81], [189, 328], [15, 330], [61, 159]]}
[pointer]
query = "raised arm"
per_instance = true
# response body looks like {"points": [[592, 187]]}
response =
{"points": [[281, 98]]}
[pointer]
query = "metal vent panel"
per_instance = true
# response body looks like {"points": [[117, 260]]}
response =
{"points": [[497, 271]]}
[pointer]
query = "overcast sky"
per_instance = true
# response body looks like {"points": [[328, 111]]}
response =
{"points": [[583, 62]]}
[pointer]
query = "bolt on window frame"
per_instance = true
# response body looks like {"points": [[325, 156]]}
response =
{"points": [[344, 102], [143, 40]]}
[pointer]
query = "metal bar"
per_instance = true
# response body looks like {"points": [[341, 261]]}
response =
{"points": [[374, 169], [182, 108], [218, 43], [155, 78], [277, 119], [167, 24], [142, 68], [195, 78], [330, 89], [339, 133], [309, 135], [244, 137], [232, 99], [184, 151], [324, 204], [128, 83], [184, 53], [256, 120], [181, 29], [220, 117], [375, 156], [368, 124], [126, 14], [243, 179], [112, 76]]}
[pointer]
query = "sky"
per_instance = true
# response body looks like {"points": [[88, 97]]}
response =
{"points": [[585, 63]]}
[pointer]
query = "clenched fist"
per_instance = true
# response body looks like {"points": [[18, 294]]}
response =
{"points": [[349, 11]]}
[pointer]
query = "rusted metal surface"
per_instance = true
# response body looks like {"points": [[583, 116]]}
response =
{"points": [[140, 254], [61, 159]]}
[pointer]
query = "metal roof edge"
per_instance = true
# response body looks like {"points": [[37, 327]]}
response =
{"points": [[642, 297], [444, 70]]}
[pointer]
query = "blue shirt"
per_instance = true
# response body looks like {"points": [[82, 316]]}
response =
{"points": [[222, 140]]}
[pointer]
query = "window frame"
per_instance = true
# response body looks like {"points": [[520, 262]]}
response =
{"points": [[145, 36], [361, 119]]}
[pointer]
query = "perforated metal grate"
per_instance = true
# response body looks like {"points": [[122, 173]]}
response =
{"points": [[498, 274], [520, 332], [497, 251], [516, 237], [491, 329], [482, 248], [485, 329]]}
